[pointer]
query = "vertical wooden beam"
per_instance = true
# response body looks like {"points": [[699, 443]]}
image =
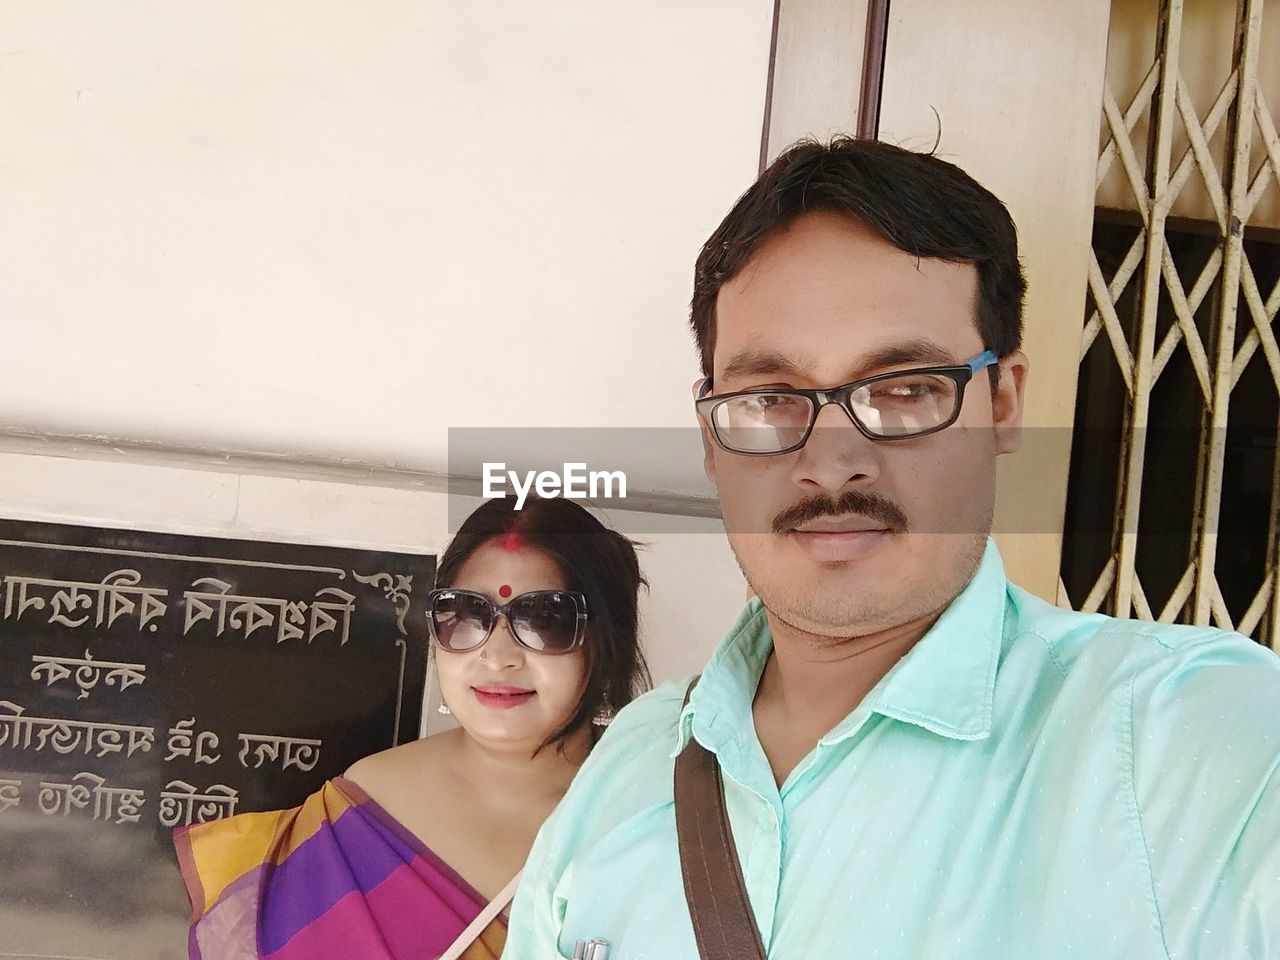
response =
{"points": [[873, 57], [818, 68], [767, 124]]}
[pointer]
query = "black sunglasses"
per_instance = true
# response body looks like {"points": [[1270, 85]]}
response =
{"points": [[544, 621]]}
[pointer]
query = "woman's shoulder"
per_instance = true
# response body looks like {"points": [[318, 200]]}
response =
{"points": [[404, 770]]}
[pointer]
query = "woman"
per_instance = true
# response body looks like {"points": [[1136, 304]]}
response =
{"points": [[534, 623]]}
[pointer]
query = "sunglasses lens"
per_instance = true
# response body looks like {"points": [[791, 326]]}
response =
{"points": [[460, 621], [546, 620]]}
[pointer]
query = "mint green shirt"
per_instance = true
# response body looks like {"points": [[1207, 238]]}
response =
{"points": [[1027, 782]]}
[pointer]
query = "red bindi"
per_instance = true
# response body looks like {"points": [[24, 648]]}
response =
{"points": [[511, 541], [504, 591]]}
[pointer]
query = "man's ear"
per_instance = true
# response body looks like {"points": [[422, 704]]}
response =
{"points": [[1007, 401], [708, 445]]}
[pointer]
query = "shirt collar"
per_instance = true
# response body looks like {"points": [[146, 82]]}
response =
{"points": [[719, 708], [945, 683]]}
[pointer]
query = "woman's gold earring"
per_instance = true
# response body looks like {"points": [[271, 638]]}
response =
{"points": [[603, 717], [444, 710]]}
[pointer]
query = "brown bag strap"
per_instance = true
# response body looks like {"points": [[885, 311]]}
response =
{"points": [[723, 924]]}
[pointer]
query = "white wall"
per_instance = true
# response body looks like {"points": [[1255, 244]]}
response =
{"points": [[334, 229], [323, 233]]}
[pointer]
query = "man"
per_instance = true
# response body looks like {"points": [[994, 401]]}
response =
{"points": [[920, 760]]}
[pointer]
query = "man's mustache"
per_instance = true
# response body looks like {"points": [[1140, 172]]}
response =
{"points": [[867, 504]]}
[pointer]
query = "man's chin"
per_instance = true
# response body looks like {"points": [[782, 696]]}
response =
{"points": [[830, 585], [831, 617], [851, 588]]}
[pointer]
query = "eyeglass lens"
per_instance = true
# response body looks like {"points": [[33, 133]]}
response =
{"points": [[544, 620], [894, 407]]}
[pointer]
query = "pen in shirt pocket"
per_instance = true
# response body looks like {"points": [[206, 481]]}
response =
{"points": [[597, 948]]}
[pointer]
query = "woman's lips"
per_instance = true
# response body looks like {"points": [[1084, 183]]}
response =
{"points": [[501, 696]]}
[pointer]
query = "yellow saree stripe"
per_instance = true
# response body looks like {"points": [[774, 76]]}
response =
{"points": [[225, 850]]}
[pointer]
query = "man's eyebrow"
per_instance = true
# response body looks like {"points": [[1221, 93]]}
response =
{"points": [[923, 352], [748, 363]]}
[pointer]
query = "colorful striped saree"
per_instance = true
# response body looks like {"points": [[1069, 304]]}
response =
{"points": [[334, 879]]}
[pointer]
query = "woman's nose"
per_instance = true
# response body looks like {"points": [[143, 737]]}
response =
{"points": [[502, 646]]}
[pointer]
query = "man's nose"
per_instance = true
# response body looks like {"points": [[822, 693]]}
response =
{"points": [[837, 454]]}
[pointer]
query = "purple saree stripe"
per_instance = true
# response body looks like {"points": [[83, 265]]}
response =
{"points": [[353, 853]]}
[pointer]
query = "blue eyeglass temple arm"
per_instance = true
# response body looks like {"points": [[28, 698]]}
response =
{"points": [[985, 359]]}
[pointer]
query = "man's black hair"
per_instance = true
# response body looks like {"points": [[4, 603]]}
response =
{"points": [[917, 202]]}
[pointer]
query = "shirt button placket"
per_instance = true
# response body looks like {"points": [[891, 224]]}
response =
{"points": [[766, 881]]}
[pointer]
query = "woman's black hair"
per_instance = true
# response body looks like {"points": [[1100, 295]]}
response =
{"points": [[599, 563]]}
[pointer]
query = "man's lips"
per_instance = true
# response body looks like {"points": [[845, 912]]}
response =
{"points": [[837, 525], [502, 696], [832, 540]]}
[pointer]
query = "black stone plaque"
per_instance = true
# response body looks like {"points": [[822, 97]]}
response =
{"points": [[152, 680]]}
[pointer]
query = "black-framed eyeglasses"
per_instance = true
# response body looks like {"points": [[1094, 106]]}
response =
{"points": [[889, 406], [544, 621]]}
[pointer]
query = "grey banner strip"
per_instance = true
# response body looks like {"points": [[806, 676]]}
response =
{"points": [[116, 450]]}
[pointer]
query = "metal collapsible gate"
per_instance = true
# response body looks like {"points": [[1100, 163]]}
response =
{"points": [[1175, 485]]}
